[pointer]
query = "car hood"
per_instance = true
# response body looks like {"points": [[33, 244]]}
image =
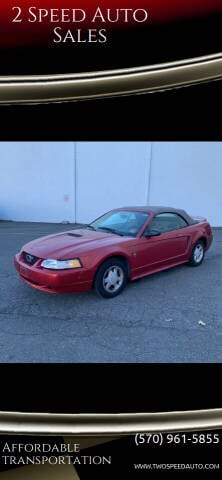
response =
{"points": [[64, 245]]}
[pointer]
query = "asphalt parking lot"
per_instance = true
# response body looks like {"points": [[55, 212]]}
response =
{"points": [[172, 316]]}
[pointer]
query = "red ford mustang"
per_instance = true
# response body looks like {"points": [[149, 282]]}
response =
{"points": [[124, 244]]}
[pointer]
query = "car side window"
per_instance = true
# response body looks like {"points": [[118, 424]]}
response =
{"points": [[166, 222]]}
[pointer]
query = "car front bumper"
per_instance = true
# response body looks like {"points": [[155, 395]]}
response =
{"points": [[54, 281]]}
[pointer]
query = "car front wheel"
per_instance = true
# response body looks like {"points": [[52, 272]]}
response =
{"points": [[111, 278], [197, 254]]}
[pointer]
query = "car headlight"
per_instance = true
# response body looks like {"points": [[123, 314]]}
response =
{"points": [[61, 264]]}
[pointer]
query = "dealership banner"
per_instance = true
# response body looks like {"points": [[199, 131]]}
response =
{"points": [[55, 52], [135, 438], [75, 458]]}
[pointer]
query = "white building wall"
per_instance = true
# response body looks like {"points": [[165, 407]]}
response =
{"points": [[110, 175], [188, 175], [78, 181], [37, 181]]}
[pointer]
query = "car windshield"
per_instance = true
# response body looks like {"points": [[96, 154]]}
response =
{"points": [[121, 222]]}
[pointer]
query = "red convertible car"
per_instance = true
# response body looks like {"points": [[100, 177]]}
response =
{"points": [[124, 244]]}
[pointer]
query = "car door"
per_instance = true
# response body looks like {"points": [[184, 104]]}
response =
{"points": [[156, 251]]}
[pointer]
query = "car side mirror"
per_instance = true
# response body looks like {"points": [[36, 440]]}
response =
{"points": [[152, 233]]}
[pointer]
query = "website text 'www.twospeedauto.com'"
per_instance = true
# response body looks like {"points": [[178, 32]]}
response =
{"points": [[177, 466]]}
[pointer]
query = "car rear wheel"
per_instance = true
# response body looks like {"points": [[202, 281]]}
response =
{"points": [[197, 254], [111, 278]]}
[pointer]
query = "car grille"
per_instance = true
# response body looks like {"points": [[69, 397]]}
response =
{"points": [[31, 259]]}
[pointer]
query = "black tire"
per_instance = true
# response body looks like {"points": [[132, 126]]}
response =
{"points": [[111, 278], [197, 254]]}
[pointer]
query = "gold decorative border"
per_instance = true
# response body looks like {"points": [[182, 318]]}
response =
{"points": [[100, 84], [108, 424]]}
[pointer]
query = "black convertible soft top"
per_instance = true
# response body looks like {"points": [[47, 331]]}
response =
{"points": [[160, 209]]}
